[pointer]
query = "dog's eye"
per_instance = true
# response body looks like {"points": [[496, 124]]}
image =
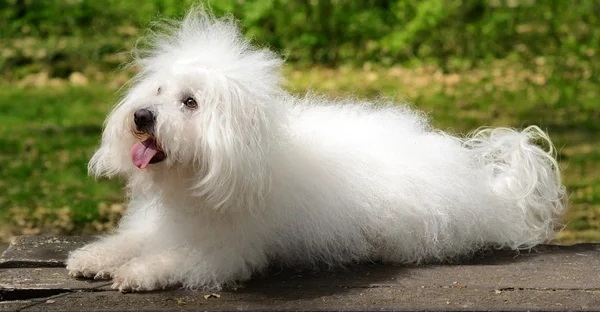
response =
{"points": [[190, 103]]}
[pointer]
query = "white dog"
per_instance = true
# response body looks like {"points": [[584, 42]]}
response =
{"points": [[227, 173]]}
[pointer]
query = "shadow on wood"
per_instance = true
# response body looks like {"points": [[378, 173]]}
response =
{"points": [[550, 277]]}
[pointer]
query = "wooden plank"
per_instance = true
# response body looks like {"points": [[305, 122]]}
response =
{"points": [[348, 299], [553, 278], [40, 250], [46, 278]]}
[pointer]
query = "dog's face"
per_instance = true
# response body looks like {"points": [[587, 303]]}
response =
{"points": [[149, 149], [204, 104], [166, 117]]}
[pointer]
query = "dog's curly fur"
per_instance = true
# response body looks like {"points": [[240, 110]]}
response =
{"points": [[238, 174]]}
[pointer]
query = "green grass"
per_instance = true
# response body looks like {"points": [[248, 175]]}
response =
{"points": [[48, 132], [547, 75], [46, 137]]}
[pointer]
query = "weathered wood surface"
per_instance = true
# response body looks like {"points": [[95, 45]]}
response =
{"points": [[550, 278]]}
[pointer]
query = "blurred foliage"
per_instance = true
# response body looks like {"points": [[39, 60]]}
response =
{"points": [[328, 31]]}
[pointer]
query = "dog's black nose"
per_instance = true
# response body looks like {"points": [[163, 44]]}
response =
{"points": [[143, 119]]}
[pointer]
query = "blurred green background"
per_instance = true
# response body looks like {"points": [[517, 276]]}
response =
{"points": [[467, 63]]}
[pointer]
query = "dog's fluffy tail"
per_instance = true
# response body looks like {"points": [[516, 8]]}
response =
{"points": [[525, 177]]}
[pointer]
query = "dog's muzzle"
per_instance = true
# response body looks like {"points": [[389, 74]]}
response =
{"points": [[148, 150], [144, 121]]}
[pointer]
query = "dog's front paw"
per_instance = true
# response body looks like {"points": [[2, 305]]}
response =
{"points": [[85, 263], [138, 276]]}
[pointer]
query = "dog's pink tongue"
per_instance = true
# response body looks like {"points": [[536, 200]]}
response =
{"points": [[142, 153]]}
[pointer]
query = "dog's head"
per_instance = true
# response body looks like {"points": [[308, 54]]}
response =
{"points": [[203, 104]]}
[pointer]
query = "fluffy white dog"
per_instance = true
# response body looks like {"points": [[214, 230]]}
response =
{"points": [[228, 173]]}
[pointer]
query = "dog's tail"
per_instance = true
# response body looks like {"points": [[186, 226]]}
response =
{"points": [[525, 177]]}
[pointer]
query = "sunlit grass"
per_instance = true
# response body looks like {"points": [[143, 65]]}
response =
{"points": [[47, 134], [46, 137]]}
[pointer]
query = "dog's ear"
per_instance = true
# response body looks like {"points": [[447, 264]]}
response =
{"points": [[235, 150], [112, 157]]}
